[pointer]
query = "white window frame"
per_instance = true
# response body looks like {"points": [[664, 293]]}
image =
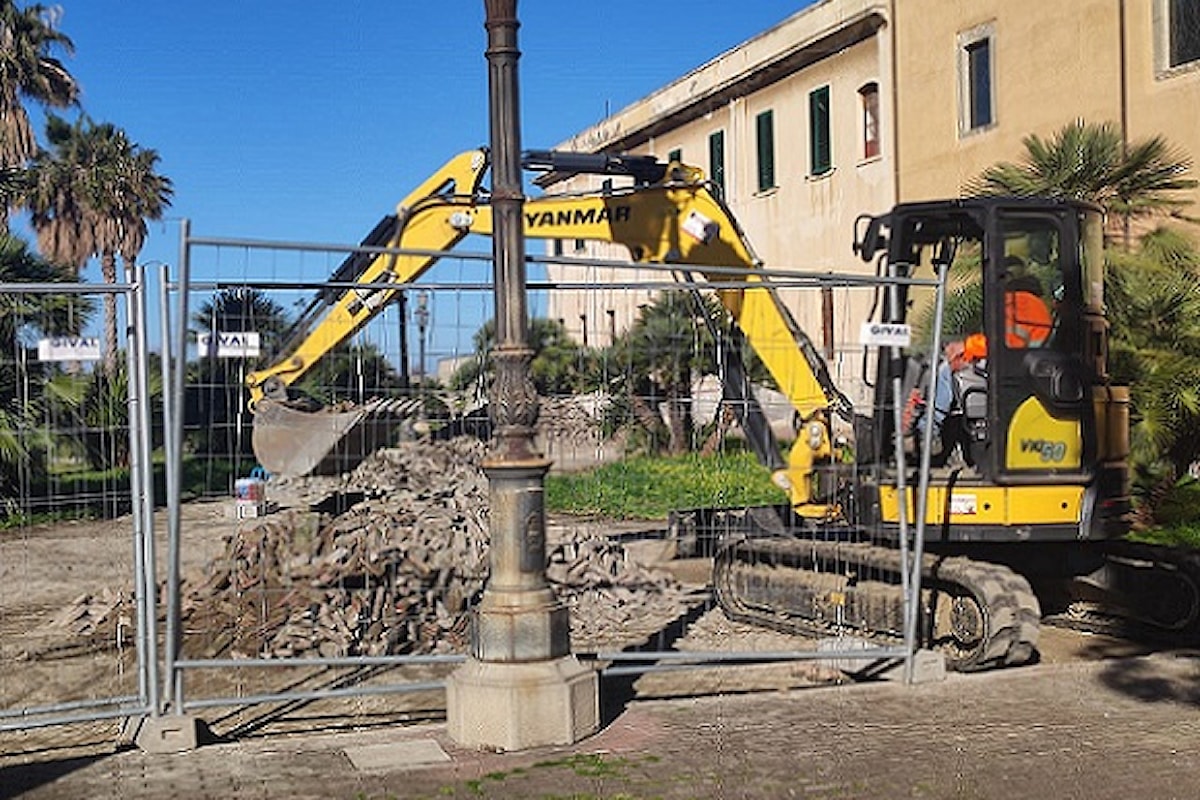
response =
{"points": [[1162, 44], [870, 121], [966, 39]]}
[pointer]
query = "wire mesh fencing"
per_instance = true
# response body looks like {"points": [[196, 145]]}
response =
{"points": [[281, 582], [77, 425]]}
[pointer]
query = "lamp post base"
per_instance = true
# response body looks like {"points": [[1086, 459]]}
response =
{"points": [[517, 706]]}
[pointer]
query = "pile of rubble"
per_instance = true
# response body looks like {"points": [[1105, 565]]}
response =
{"points": [[574, 420], [397, 571]]}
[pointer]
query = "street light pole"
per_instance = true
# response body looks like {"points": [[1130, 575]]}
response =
{"points": [[521, 688], [422, 315]]}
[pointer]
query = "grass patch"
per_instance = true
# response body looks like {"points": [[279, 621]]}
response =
{"points": [[590, 766], [646, 487]]}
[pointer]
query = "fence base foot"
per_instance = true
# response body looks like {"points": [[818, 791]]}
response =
{"points": [[517, 706], [929, 666], [174, 733]]}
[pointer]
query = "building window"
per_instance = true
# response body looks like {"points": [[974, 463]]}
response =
{"points": [[820, 148], [1183, 26], [869, 97], [716, 160], [765, 137], [976, 81], [675, 155]]}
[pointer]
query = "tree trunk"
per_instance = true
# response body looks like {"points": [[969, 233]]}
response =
{"points": [[725, 418], [645, 415], [679, 421], [108, 269]]}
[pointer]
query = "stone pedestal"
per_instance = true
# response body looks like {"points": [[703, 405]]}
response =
{"points": [[173, 733], [516, 706]]}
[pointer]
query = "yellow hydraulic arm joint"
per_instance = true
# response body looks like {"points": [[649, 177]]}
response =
{"points": [[460, 177]]}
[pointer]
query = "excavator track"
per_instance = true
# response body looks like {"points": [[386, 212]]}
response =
{"points": [[979, 615], [1144, 592]]}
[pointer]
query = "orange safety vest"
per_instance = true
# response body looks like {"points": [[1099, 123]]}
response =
{"points": [[1027, 320]]}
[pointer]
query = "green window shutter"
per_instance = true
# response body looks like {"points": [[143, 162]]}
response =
{"points": [[716, 160], [675, 155], [820, 147], [765, 127]]}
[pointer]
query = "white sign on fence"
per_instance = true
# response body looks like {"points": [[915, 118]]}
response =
{"points": [[886, 334], [229, 344], [69, 348]]}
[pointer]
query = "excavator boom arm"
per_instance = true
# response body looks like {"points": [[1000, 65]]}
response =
{"points": [[459, 180], [667, 216]]}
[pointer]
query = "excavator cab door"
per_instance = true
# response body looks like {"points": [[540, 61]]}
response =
{"points": [[1039, 375]]}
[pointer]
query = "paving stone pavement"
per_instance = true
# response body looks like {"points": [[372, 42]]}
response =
{"points": [[1118, 728]]}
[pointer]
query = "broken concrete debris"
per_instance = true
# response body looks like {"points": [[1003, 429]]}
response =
{"points": [[397, 569]]}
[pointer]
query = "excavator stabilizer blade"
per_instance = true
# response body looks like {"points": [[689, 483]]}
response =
{"points": [[291, 443]]}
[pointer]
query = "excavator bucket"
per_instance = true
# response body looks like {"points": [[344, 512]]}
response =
{"points": [[290, 443]]}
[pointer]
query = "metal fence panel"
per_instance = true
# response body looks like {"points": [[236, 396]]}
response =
{"points": [[76, 488], [355, 587]]}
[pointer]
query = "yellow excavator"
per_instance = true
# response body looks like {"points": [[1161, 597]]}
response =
{"points": [[668, 215], [1028, 493]]}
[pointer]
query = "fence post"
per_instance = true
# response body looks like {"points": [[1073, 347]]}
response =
{"points": [[176, 731]]}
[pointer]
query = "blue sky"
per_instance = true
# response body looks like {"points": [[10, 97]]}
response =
{"points": [[309, 121]]}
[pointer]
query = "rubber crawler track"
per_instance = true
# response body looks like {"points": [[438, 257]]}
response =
{"points": [[1164, 585], [980, 615]]}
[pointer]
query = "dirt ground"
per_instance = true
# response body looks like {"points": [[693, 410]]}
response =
{"points": [[48, 569], [45, 568]]}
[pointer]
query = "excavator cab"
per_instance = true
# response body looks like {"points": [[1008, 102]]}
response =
{"points": [[1035, 422]]}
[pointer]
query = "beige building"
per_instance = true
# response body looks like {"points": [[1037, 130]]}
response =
{"points": [[973, 79], [791, 126], [850, 106]]}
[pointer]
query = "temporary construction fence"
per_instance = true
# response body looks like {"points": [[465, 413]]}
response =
{"points": [[78, 430], [259, 591]]}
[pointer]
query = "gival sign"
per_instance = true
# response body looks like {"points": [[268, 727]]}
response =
{"points": [[229, 344], [886, 334], [69, 348]]}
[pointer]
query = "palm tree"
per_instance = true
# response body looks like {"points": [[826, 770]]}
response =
{"points": [[1153, 281], [1153, 297], [1092, 162], [244, 309], [559, 366], [20, 383], [216, 394], [90, 195], [28, 71], [667, 344]]}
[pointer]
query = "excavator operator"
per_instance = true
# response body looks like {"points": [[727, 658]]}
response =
{"points": [[1027, 319]]}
